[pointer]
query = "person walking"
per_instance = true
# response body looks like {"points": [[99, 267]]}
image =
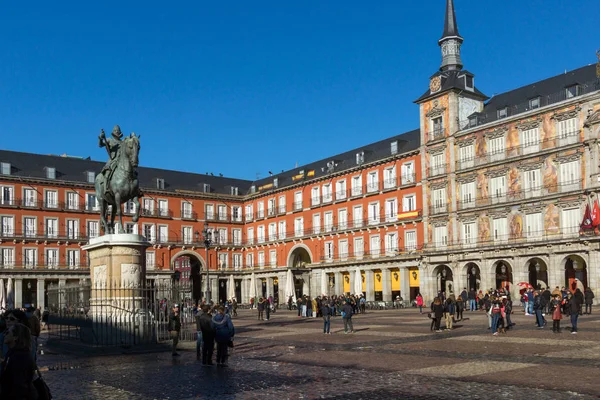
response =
{"points": [[234, 306], [437, 312], [347, 317], [449, 313], [325, 312], [460, 305], [538, 306], [580, 299], [224, 333], [589, 300], [207, 330], [556, 314], [496, 312], [261, 308], [198, 333], [174, 327], [268, 309], [16, 381], [573, 309], [419, 301], [472, 300]]}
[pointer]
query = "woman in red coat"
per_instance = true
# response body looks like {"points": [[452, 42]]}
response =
{"points": [[419, 300]]}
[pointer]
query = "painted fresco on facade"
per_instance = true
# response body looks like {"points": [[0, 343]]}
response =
{"points": [[483, 228], [550, 178], [512, 141], [548, 133], [480, 146], [514, 183], [515, 224], [551, 220], [482, 187]]}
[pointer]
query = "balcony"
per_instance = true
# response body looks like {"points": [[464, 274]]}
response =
{"points": [[408, 179], [297, 206], [327, 198], [315, 201], [249, 217], [189, 215], [438, 208], [466, 163], [567, 138], [356, 191], [164, 213], [375, 254], [31, 203], [435, 134], [389, 183], [437, 170], [281, 210], [341, 195], [271, 212], [260, 214], [223, 217], [372, 187]]}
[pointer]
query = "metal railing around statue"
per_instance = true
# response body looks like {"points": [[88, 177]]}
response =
{"points": [[113, 315]]}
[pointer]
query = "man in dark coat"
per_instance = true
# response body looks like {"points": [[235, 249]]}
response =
{"points": [[174, 328], [547, 297], [224, 332], [589, 300], [580, 299], [206, 326]]}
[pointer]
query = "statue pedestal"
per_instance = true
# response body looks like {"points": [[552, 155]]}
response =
{"points": [[119, 298]]}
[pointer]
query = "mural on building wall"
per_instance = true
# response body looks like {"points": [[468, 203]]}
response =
{"points": [[551, 220], [550, 178], [482, 187], [514, 183], [515, 224], [548, 133], [429, 233], [450, 231], [483, 228], [480, 146], [512, 141]]}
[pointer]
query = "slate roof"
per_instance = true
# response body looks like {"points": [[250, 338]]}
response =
{"points": [[452, 79], [450, 26], [73, 169]]}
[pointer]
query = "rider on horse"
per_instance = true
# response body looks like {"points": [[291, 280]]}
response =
{"points": [[112, 145]]}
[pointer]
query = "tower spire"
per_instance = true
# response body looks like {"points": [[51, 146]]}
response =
{"points": [[451, 40]]}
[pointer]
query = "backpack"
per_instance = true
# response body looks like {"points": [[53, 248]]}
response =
{"points": [[496, 309]]}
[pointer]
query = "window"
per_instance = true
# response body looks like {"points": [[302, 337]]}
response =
{"points": [[91, 202], [52, 258], [129, 207], [569, 176], [468, 82], [160, 183], [281, 204], [186, 234], [531, 140], [148, 206], [409, 203], [30, 258], [149, 232], [249, 213], [568, 132], [260, 210], [373, 213], [72, 201], [467, 193], [316, 224], [570, 220], [340, 190], [222, 210], [51, 200], [356, 185], [469, 234], [282, 229], [327, 193], [163, 208], [534, 226], [90, 176], [72, 229], [499, 229], [328, 222], [130, 228], [30, 226], [52, 228], [408, 173], [299, 227], [410, 240], [261, 259], [497, 148], [439, 200], [359, 247], [250, 235], [186, 210], [315, 196], [236, 236], [223, 264], [498, 189], [375, 245], [342, 219], [7, 225], [163, 233], [357, 214], [297, 201], [437, 127], [372, 181], [206, 188], [73, 258], [440, 236], [271, 207], [93, 229], [272, 231], [5, 168], [273, 258], [572, 91], [50, 173], [534, 103], [343, 249], [210, 211], [237, 261], [7, 257], [466, 156], [391, 243], [260, 234], [7, 196], [389, 178], [150, 260], [533, 183], [394, 147], [250, 260], [234, 191], [30, 196], [360, 158], [391, 210], [252, 189], [328, 251], [502, 112], [438, 164]]}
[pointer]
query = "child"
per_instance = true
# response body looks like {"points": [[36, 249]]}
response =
{"points": [[556, 314]]}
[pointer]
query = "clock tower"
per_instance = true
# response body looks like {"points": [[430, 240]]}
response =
{"points": [[451, 41]]}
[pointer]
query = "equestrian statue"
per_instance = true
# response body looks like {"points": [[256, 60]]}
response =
{"points": [[118, 183]]}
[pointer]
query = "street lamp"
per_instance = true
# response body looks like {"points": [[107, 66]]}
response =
{"points": [[210, 237], [537, 267], [473, 271]]}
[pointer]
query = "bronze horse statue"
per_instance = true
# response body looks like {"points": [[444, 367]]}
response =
{"points": [[120, 184]]}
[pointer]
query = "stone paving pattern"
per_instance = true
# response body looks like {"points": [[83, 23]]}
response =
{"points": [[392, 355]]}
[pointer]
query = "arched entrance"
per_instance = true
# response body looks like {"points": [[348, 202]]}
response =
{"points": [[575, 273], [473, 277], [503, 275], [444, 279], [538, 273], [299, 257], [187, 269]]}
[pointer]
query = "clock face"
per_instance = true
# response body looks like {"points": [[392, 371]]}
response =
{"points": [[435, 84]]}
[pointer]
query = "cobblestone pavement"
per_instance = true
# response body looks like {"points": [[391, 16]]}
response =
{"points": [[392, 355]]}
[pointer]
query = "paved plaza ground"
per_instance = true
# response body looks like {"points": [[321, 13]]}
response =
{"points": [[392, 355]]}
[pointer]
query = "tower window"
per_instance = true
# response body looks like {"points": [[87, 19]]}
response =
{"points": [[468, 82]]}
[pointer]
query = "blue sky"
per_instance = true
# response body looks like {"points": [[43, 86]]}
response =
{"points": [[243, 88]]}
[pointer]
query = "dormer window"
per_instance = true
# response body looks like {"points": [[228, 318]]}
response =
{"points": [[234, 190], [534, 103], [50, 173], [90, 176], [252, 189], [5, 168], [206, 188], [330, 166], [502, 112], [472, 121], [160, 183], [572, 91], [469, 82], [360, 158], [394, 147], [275, 182]]}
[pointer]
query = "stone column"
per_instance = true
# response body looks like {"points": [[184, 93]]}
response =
{"points": [[405, 283], [352, 279], [370, 282], [386, 284], [244, 299], [269, 287], [41, 294], [305, 285], [338, 283], [593, 271], [18, 293], [214, 288]]}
